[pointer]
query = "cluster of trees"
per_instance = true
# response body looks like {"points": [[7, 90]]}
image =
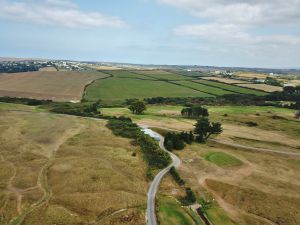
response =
{"points": [[230, 99], [273, 81], [177, 141], [194, 111], [153, 154], [176, 176], [123, 127], [190, 197], [78, 109], [25, 101], [291, 90], [137, 107]]}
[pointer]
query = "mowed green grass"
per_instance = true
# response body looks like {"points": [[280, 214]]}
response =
{"points": [[204, 88], [171, 213], [116, 90], [232, 88], [222, 159]]}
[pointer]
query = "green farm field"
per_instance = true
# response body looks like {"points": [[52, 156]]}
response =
{"points": [[161, 74], [122, 85], [117, 90], [231, 88], [214, 91]]}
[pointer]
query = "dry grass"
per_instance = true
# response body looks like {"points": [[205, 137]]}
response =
{"points": [[262, 87], [89, 174], [251, 75], [48, 69], [56, 86], [260, 182]]}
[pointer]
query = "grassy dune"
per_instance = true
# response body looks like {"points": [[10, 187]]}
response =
{"points": [[64, 170]]}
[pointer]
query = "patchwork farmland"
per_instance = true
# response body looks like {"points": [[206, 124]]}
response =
{"points": [[122, 85], [56, 86], [112, 86]]}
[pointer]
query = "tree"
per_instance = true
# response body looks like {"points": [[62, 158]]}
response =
{"points": [[289, 89], [190, 197], [194, 112], [204, 129], [173, 141], [138, 107]]}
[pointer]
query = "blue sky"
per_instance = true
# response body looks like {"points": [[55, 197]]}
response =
{"points": [[252, 33]]}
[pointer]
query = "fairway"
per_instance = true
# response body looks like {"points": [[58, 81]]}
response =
{"points": [[172, 213], [56, 86], [116, 90], [222, 159]]}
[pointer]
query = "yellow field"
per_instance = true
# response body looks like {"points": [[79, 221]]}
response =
{"points": [[56, 86], [250, 75], [262, 87], [59, 169]]}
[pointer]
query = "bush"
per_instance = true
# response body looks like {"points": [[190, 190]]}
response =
{"points": [[194, 112], [176, 141], [25, 101], [153, 154], [78, 109], [190, 197], [176, 176], [251, 124], [124, 127]]}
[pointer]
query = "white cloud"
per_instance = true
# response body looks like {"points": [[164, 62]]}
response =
{"points": [[259, 25], [247, 12], [227, 33], [62, 13]]}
